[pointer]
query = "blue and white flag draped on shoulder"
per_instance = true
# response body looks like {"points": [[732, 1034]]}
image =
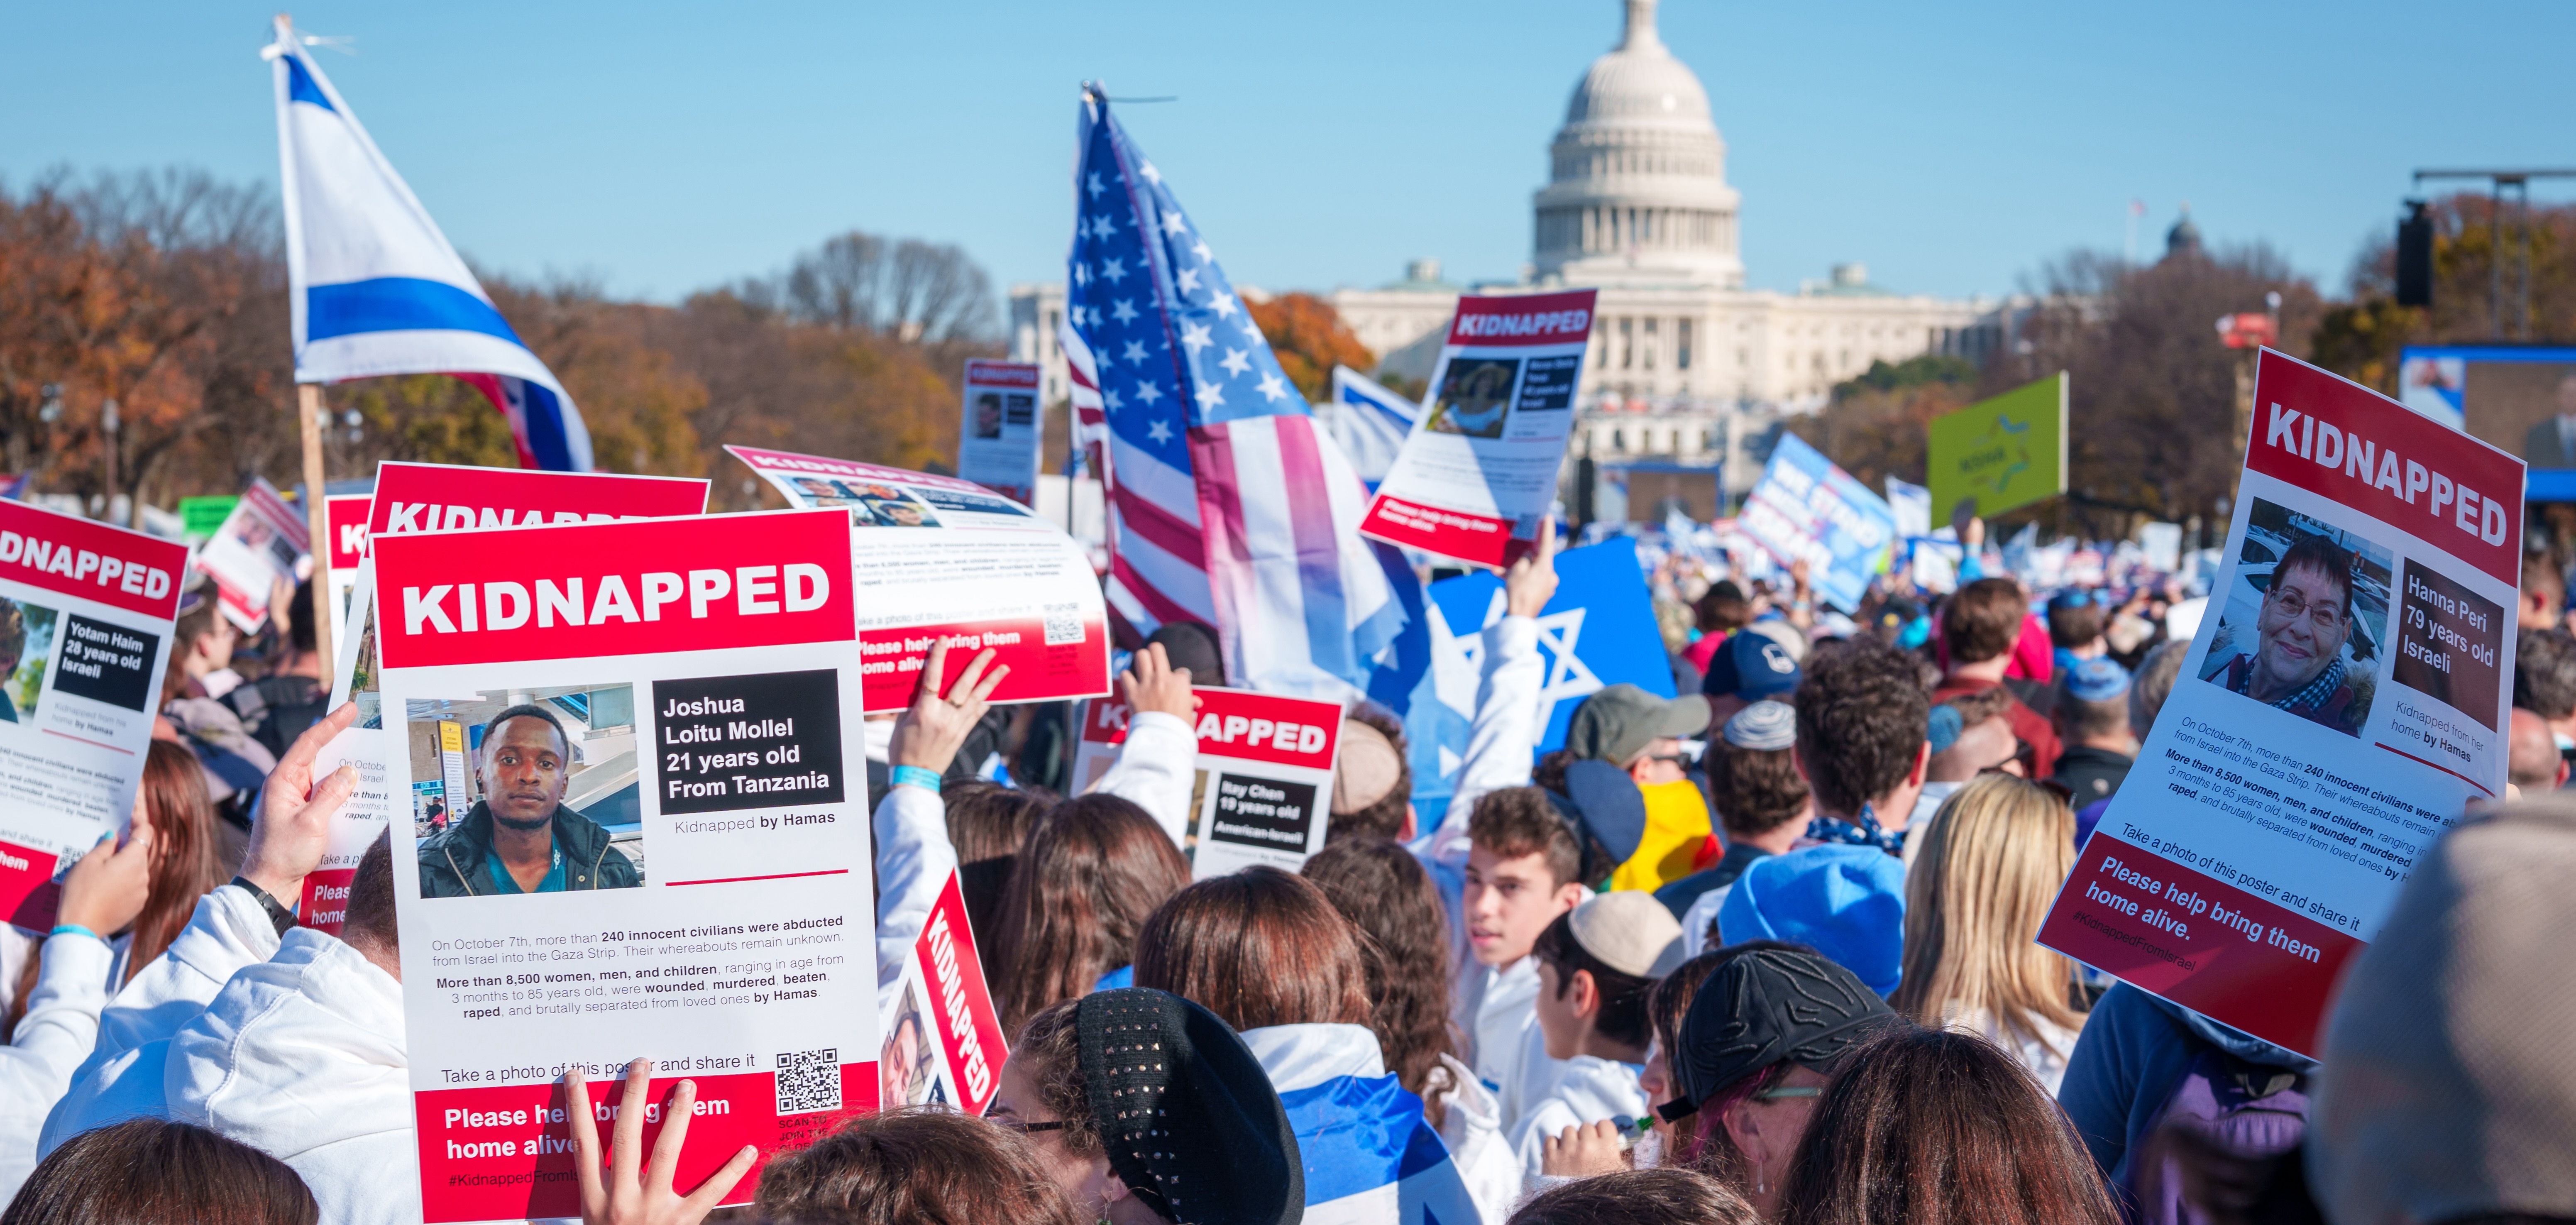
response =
{"points": [[1226, 505], [1369, 1155], [376, 288]]}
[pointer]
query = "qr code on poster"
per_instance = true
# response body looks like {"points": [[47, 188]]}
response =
{"points": [[1063, 623], [809, 1081]]}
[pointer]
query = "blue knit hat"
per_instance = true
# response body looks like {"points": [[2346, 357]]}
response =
{"points": [[2096, 680], [1846, 902]]}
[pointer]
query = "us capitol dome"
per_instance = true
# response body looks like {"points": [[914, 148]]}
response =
{"points": [[1637, 176]]}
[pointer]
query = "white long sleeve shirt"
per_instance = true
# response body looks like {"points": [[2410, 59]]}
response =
{"points": [[121, 1077], [914, 861], [1492, 1005], [1156, 769], [55, 1035]]}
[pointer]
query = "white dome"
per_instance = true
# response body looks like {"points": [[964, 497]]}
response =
{"points": [[1637, 187], [1640, 84]]}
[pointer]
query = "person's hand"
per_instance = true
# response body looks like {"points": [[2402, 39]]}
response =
{"points": [[1531, 582], [107, 888], [1799, 572], [1974, 535], [293, 827], [1583, 1151], [1152, 683], [928, 734], [641, 1196], [281, 606]]}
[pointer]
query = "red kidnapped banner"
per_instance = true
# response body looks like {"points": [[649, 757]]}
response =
{"points": [[347, 523], [2358, 447], [93, 561], [443, 497], [633, 588], [2199, 941], [504, 1152], [1533, 319], [970, 1034], [1239, 724]]}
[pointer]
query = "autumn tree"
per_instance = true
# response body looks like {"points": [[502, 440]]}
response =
{"points": [[1309, 338], [166, 293], [1875, 424], [2152, 396], [2361, 338]]}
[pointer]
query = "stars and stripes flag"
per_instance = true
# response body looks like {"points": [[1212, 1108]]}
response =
{"points": [[1226, 505], [376, 288]]}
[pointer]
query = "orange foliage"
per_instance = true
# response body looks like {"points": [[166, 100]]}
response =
{"points": [[1310, 339]]}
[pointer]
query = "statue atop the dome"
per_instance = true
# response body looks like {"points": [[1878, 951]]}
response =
{"points": [[1640, 34]]}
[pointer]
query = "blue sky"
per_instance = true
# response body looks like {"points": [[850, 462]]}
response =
{"points": [[663, 148]]}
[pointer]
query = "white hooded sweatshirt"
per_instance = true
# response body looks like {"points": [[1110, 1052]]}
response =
{"points": [[37, 1065], [301, 1057], [1568, 1093], [121, 1079]]}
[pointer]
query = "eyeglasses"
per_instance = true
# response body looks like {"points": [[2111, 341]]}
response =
{"points": [[1773, 1095], [1023, 1126], [2327, 617]]}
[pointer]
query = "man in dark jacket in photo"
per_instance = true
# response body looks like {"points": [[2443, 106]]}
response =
{"points": [[519, 838]]}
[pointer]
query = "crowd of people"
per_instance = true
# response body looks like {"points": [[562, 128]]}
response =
{"points": [[1763, 952]]}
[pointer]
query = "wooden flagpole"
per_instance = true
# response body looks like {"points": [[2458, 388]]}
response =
{"points": [[317, 518]]}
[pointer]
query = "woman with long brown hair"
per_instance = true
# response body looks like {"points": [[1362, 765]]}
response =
{"points": [[1990, 866], [1394, 909], [1094, 869], [1267, 953], [1934, 1125], [172, 802]]}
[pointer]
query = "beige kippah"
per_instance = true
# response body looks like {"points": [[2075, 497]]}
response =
{"points": [[1367, 770]]}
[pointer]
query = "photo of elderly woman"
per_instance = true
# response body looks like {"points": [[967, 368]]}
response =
{"points": [[2305, 619]]}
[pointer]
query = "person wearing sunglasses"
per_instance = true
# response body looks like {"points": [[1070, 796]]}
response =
{"points": [[1763, 1037], [2306, 616]]}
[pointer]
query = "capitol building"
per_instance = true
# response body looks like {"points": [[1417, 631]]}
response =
{"points": [[1689, 370]]}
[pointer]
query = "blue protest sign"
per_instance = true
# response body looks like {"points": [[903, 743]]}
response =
{"points": [[1598, 631], [1805, 507]]}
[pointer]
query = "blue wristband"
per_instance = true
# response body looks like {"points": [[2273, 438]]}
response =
{"points": [[74, 929], [914, 776]]}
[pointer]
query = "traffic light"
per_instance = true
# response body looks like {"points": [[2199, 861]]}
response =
{"points": [[2415, 256]]}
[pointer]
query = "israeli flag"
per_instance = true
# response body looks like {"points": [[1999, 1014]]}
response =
{"points": [[1369, 421], [377, 290], [1370, 1156], [1598, 631]]}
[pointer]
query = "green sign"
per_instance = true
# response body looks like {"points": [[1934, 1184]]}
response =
{"points": [[199, 517], [2003, 453]]}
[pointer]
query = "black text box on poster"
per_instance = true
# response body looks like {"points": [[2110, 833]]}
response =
{"points": [[106, 663], [734, 742], [1263, 812], [2448, 643]]}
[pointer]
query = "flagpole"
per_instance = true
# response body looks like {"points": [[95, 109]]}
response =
{"points": [[317, 519]]}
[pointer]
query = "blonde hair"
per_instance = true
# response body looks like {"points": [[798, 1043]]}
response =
{"points": [[1992, 862]]}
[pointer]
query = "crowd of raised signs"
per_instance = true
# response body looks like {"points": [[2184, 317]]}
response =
{"points": [[1765, 951]]}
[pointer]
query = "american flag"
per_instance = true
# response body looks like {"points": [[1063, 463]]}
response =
{"points": [[1226, 505]]}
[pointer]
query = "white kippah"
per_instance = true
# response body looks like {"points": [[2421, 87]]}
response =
{"points": [[1764, 726]]}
